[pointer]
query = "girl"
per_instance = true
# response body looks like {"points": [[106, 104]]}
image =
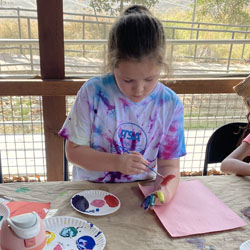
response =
{"points": [[238, 161], [126, 121]]}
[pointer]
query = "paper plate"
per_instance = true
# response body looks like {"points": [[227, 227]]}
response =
{"points": [[4, 212], [245, 245], [95, 202], [65, 232]]}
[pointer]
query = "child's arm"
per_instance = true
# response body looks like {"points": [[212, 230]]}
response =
{"points": [[91, 159], [168, 168], [234, 164]]}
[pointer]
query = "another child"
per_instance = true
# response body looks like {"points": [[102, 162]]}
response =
{"points": [[125, 120], [238, 161]]}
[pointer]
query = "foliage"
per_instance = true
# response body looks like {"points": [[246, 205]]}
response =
{"points": [[224, 11], [114, 7]]}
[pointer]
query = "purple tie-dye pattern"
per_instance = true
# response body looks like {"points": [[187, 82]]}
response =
{"points": [[108, 138], [133, 144], [100, 148], [125, 104], [64, 133], [152, 119], [117, 147], [122, 143], [113, 176], [100, 95], [97, 130], [106, 101], [172, 144]]}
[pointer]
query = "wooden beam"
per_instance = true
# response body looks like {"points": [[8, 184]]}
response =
{"points": [[51, 47], [65, 87]]}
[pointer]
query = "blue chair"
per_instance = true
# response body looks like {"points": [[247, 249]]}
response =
{"points": [[222, 142]]}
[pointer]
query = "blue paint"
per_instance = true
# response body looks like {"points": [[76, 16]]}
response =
{"points": [[80, 203], [92, 211], [198, 242], [85, 242], [98, 233]]}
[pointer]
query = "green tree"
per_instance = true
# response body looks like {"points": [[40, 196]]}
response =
{"points": [[224, 11], [115, 7]]}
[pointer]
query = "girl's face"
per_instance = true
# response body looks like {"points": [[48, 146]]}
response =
{"points": [[137, 79]]}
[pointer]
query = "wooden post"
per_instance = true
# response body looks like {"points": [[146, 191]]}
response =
{"points": [[51, 43]]}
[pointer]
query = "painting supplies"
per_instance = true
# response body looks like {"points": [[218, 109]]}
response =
{"points": [[155, 171], [23, 232], [160, 196], [167, 179], [152, 200]]}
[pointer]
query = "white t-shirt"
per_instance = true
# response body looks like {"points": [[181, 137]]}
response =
{"points": [[104, 119]]}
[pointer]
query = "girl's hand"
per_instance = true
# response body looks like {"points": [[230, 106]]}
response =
{"points": [[160, 196], [132, 163]]}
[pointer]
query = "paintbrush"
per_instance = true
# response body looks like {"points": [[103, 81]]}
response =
{"points": [[155, 171]]}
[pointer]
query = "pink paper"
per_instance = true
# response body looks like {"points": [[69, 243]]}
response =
{"points": [[195, 210]]}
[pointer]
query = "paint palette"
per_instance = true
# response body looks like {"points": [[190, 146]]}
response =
{"points": [[65, 232], [95, 202], [245, 245], [4, 212]]}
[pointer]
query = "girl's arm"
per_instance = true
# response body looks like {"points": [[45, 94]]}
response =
{"points": [[234, 164], [94, 160], [169, 168]]}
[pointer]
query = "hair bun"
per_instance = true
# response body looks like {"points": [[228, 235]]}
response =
{"points": [[136, 9]]}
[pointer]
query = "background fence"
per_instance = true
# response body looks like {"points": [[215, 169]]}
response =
{"points": [[195, 49]]}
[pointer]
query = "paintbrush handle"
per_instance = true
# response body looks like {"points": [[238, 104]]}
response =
{"points": [[155, 171]]}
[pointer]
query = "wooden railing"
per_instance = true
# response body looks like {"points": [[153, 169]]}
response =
{"points": [[53, 87]]}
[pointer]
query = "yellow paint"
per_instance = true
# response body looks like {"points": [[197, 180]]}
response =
{"points": [[160, 196], [50, 236]]}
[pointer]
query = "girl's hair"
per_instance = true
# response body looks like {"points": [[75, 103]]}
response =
{"points": [[135, 35]]}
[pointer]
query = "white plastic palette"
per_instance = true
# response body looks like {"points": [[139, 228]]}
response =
{"points": [[4, 212], [245, 245], [65, 232], [95, 202]]}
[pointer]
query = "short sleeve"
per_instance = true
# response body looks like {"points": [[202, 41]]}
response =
{"points": [[77, 126], [247, 139], [172, 144]]}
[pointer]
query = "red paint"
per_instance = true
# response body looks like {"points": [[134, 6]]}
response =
{"points": [[111, 200], [167, 179], [98, 203]]}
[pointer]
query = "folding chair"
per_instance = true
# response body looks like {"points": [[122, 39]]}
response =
{"points": [[222, 142]]}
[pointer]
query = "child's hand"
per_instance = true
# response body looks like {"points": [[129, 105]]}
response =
{"points": [[132, 163], [160, 196]]}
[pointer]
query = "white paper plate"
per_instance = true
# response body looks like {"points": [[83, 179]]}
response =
{"points": [[65, 232], [4, 212], [95, 202], [245, 245]]}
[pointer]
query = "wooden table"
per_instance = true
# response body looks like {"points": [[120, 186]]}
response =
{"points": [[133, 228]]}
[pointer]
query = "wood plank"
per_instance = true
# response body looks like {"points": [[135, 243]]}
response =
{"points": [[51, 47], [65, 87]]}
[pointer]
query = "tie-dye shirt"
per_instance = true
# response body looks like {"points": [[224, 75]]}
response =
{"points": [[104, 119]]}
